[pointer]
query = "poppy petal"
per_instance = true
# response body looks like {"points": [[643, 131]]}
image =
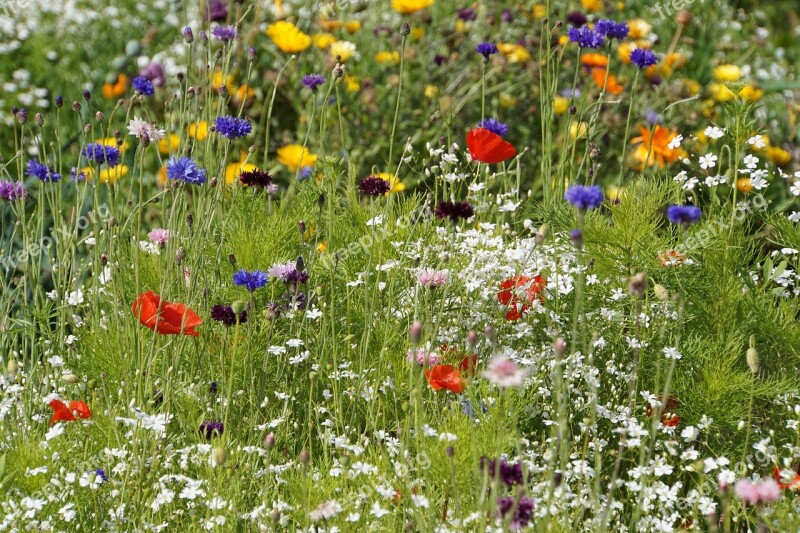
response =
{"points": [[488, 147], [61, 412]]}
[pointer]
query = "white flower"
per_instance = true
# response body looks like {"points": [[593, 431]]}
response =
{"points": [[420, 501], [758, 183], [689, 184], [689, 433], [681, 177], [376, 221], [56, 361], [75, 298], [675, 142], [377, 511], [750, 161], [795, 189], [794, 217], [708, 161], [140, 128], [671, 353], [325, 511], [757, 142], [713, 132]]}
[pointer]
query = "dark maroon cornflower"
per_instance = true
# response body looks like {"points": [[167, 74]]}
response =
{"points": [[255, 178], [576, 18], [373, 186], [523, 510], [507, 16], [313, 81], [454, 210], [211, 428], [440, 60], [217, 10], [510, 473], [225, 315], [466, 14]]}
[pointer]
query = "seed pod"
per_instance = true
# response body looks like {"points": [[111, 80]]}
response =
{"points": [[661, 292], [752, 356], [220, 455]]}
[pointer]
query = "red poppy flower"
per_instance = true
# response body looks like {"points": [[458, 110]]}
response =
{"points": [[63, 412], [445, 377], [469, 364], [488, 147], [793, 484], [668, 416], [165, 317], [519, 292]]}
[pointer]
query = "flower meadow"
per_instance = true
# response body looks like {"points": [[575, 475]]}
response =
{"points": [[402, 265]]}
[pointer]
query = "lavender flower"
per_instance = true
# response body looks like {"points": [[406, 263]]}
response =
{"points": [[10, 191], [612, 29], [217, 10], [685, 215], [373, 186], [643, 58], [224, 33], [233, 127], [155, 73], [585, 38], [494, 125], [486, 49], [313, 81], [159, 236], [584, 197], [42, 171], [186, 170], [211, 428], [291, 273], [466, 14], [101, 153], [454, 210], [432, 278], [251, 281], [143, 86], [225, 315]]}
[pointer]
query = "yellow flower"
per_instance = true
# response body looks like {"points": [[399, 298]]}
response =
{"points": [[112, 141], [162, 175], [514, 52], [288, 37], [322, 247], [353, 84], [727, 73], [615, 194], [169, 144], [507, 100], [778, 156], [560, 105], [690, 87], [461, 26], [233, 170], [243, 93], [395, 183], [406, 7], [107, 175], [323, 40], [592, 5], [624, 51], [388, 57], [417, 33], [217, 79], [198, 131], [343, 50], [539, 11], [295, 157], [352, 26], [577, 130], [751, 93], [430, 91], [720, 92], [639, 29]]}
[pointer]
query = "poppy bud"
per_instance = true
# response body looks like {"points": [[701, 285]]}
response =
{"points": [[683, 17], [472, 339], [304, 457], [415, 332], [560, 346], [13, 367], [237, 307], [752, 356], [661, 292], [637, 284], [220, 455], [269, 441]]}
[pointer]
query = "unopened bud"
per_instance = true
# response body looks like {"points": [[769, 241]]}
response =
{"points": [[70, 378], [99, 116], [661, 292], [752, 356], [180, 255], [560, 346], [304, 457], [541, 234], [220, 455], [13, 367], [472, 339], [415, 332], [38, 118], [489, 333], [238, 307], [269, 441], [637, 284], [405, 29]]}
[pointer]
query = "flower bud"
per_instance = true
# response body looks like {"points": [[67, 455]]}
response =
{"points": [[238, 307], [752, 356], [99, 116], [541, 234], [220, 455], [251, 54], [269, 441], [415, 332], [405, 29], [489, 333], [304, 457], [560, 346], [70, 378], [188, 36], [87, 95], [661, 292], [76, 105], [38, 118], [472, 339], [13, 367], [59, 101], [637, 284]]}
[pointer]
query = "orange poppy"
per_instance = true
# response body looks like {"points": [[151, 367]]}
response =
{"points": [[519, 292], [115, 90], [611, 84], [660, 153], [63, 412], [445, 377], [165, 317], [488, 147], [793, 484], [668, 416], [594, 61], [671, 258]]}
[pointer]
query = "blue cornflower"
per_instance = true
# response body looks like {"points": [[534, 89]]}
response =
{"points": [[143, 86], [313, 81], [643, 58], [486, 49], [101, 153], [611, 29], [494, 125], [584, 197], [42, 171], [305, 173], [585, 37], [184, 169], [224, 33], [250, 280], [233, 127], [684, 215], [100, 475]]}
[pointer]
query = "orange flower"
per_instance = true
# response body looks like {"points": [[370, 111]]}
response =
{"points": [[671, 258], [63, 412], [115, 90], [655, 150], [519, 292], [445, 377], [668, 416], [165, 317], [611, 84], [793, 483], [594, 60]]}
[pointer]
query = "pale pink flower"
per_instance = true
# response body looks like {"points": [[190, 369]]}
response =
{"points": [[429, 277], [159, 236], [422, 357], [504, 372], [765, 492]]}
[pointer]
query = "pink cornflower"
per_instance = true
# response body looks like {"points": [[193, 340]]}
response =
{"points": [[429, 277], [504, 372], [765, 492], [422, 357], [159, 236]]}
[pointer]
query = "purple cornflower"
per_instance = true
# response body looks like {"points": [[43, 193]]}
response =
{"points": [[255, 178], [585, 37], [507, 16], [313, 81], [186, 170], [77, 175], [212, 388], [188, 36], [291, 273], [643, 58], [225, 315], [155, 73], [612, 29], [494, 125], [101, 153], [42, 171], [510, 473], [486, 49], [217, 10], [10, 191], [143, 86], [523, 510], [454, 210], [251, 281], [233, 127], [466, 14], [224, 33], [584, 197], [211, 428], [685, 215], [373, 186], [576, 236], [576, 18]]}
